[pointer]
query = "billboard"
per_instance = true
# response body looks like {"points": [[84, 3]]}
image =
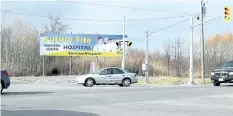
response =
{"points": [[52, 44]]}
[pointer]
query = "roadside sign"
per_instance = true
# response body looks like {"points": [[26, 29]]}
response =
{"points": [[143, 67], [92, 67], [52, 44]]}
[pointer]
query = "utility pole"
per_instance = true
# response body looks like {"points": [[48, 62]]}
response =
{"points": [[43, 66], [97, 60], [191, 44], [70, 68], [191, 51], [146, 57], [123, 56], [44, 63], [202, 41]]}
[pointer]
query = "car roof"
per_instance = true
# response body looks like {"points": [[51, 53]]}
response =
{"points": [[231, 61], [112, 67]]}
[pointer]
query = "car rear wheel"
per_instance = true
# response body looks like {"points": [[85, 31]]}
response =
{"points": [[89, 82], [216, 83], [126, 82], [1, 87]]}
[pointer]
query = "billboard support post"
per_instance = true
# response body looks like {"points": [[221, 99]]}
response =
{"points": [[146, 58], [43, 66]]}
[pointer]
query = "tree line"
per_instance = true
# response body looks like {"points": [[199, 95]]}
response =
{"points": [[20, 54]]}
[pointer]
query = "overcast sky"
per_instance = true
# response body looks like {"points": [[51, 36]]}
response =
{"points": [[134, 29]]}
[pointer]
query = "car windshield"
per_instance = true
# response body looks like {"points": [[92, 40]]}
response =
{"points": [[126, 71], [228, 64]]}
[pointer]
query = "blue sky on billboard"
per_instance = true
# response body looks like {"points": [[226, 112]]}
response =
{"points": [[135, 29]]}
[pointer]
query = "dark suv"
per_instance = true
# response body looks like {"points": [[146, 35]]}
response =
{"points": [[5, 80], [222, 74]]}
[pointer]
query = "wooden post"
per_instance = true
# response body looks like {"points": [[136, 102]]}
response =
{"points": [[70, 66]]}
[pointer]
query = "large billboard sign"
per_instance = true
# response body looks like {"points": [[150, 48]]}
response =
{"points": [[79, 45]]}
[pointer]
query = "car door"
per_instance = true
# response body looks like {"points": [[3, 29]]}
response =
{"points": [[117, 75], [104, 77]]}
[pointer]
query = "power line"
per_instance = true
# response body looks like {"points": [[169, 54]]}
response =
{"points": [[169, 26], [25, 14], [166, 27], [17, 13], [157, 18], [113, 6], [134, 8], [208, 20]]}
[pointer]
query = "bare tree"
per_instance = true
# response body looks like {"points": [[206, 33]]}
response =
{"points": [[55, 25], [5, 39], [176, 56], [177, 49], [23, 53], [167, 49], [179, 56]]}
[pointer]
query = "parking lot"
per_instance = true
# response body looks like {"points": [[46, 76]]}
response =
{"points": [[137, 100]]}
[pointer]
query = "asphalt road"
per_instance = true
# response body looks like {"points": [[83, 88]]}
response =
{"points": [[74, 100]]}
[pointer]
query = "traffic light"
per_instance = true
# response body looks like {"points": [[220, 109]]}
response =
{"points": [[227, 14], [118, 43], [129, 43]]}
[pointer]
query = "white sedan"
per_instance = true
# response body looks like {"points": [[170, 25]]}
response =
{"points": [[108, 76]]}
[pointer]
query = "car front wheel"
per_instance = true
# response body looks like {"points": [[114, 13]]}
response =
{"points": [[89, 82], [216, 83]]}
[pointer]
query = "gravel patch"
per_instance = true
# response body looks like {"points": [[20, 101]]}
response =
{"points": [[48, 79], [44, 80]]}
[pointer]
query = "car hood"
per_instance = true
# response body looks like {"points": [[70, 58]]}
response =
{"points": [[223, 69], [86, 76]]}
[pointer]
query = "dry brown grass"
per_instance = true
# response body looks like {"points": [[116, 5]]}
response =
{"points": [[173, 81]]}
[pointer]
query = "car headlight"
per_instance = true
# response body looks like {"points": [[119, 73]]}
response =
{"points": [[212, 73], [230, 73]]}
